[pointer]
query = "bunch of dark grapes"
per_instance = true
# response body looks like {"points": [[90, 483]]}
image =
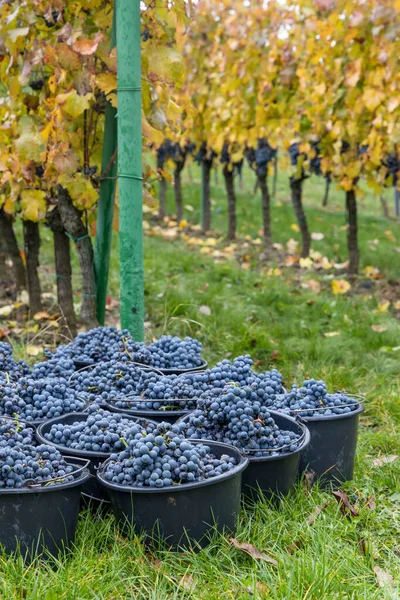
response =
{"points": [[182, 391], [162, 458], [259, 158], [102, 344], [101, 431], [312, 399], [238, 416], [13, 433], [106, 380], [158, 392], [54, 367], [39, 399], [10, 369], [173, 353], [38, 464]]}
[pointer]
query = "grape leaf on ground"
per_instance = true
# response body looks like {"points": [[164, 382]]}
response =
{"points": [[253, 551]]}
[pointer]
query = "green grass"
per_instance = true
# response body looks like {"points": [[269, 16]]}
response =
{"points": [[281, 325]]}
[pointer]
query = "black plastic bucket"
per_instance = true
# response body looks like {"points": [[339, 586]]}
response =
{"points": [[42, 517], [170, 416], [92, 491], [275, 474], [332, 450], [184, 514]]}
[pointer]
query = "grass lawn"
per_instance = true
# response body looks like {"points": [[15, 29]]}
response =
{"points": [[281, 325]]}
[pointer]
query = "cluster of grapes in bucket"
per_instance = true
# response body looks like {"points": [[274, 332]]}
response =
{"points": [[101, 431], [38, 399], [183, 391], [164, 457], [101, 344], [312, 399], [21, 465], [14, 433], [238, 417], [10, 369], [104, 344]]}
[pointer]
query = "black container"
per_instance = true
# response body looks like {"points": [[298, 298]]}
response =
{"points": [[276, 474], [273, 474], [332, 450], [170, 416], [81, 365], [42, 518], [184, 514], [92, 491]]}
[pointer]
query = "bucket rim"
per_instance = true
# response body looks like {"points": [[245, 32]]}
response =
{"points": [[360, 408], [151, 412], [80, 480], [243, 462], [74, 451]]}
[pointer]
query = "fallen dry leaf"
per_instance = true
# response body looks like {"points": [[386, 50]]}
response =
{"points": [[294, 227], [329, 334], [379, 328], [317, 236], [6, 310], [340, 286], [309, 477], [34, 350], [187, 582], [311, 284], [383, 306], [296, 545], [341, 266], [344, 504], [205, 310], [384, 460], [371, 504], [385, 580], [39, 316], [306, 263], [313, 516], [253, 551], [397, 305]]}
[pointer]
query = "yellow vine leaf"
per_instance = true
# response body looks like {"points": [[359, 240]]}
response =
{"points": [[33, 204], [74, 104], [107, 82]]}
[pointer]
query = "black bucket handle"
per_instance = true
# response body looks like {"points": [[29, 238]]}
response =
{"points": [[31, 483], [298, 442], [325, 408]]}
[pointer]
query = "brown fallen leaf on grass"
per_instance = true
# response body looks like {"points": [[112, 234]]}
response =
{"points": [[346, 508], [309, 477], [384, 460], [371, 504], [379, 328], [39, 316], [253, 551], [296, 545], [385, 580], [318, 510], [261, 588], [187, 582]]}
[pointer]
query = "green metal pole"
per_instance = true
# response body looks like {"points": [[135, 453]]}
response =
{"points": [[130, 166], [105, 211]]}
